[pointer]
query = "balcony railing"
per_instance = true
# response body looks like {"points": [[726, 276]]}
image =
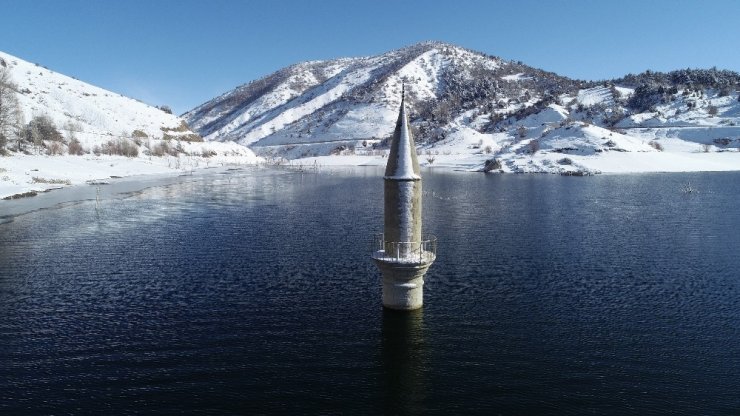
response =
{"points": [[409, 252]]}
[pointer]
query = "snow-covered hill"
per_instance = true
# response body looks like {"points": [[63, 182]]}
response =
{"points": [[89, 110], [470, 108], [66, 131], [357, 98]]}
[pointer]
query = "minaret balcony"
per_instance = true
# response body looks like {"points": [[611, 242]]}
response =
{"points": [[410, 253]]}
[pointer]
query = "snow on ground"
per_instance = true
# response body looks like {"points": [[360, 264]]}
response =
{"points": [[589, 139], [692, 137], [364, 121], [553, 145], [550, 141], [606, 162], [24, 173], [553, 113], [278, 118], [574, 148], [624, 91], [75, 106], [592, 96], [515, 77], [614, 162], [99, 119], [463, 153], [424, 72]]}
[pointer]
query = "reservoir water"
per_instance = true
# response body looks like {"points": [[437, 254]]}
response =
{"points": [[252, 292]]}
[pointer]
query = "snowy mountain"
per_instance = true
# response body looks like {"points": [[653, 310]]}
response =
{"points": [[475, 106], [358, 97]]}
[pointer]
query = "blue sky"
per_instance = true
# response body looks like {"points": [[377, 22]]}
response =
{"points": [[183, 52]]}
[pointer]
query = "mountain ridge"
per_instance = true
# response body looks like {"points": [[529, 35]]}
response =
{"points": [[349, 104], [382, 86]]}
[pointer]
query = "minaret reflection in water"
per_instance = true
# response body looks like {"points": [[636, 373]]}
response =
{"points": [[404, 362]]}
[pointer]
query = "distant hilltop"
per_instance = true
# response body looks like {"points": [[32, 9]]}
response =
{"points": [[465, 102]]}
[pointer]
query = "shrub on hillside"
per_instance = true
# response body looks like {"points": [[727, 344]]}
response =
{"points": [[614, 116], [54, 149], [38, 130], [10, 114], [45, 128], [192, 137], [37, 179], [565, 161], [521, 132], [163, 148], [140, 134], [75, 148], [183, 127], [491, 165], [655, 145], [120, 147], [645, 98], [534, 146]]}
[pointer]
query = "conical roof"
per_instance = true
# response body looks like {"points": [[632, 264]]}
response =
{"points": [[402, 163]]}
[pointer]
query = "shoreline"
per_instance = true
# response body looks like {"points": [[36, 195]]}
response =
{"points": [[29, 174], [608, 163], [115, 188], [79, 172]]}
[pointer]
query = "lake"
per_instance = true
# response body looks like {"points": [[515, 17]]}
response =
{"points": [[252, 291]]}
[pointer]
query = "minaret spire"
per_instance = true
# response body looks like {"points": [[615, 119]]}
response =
{"points": [[402, 161], [403, 253]]}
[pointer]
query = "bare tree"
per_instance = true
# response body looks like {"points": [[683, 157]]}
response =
{"points": [[521, 132], [534, 146], [9, 109]]}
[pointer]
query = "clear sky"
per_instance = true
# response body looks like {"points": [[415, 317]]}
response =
{"points": [[184, 52]]}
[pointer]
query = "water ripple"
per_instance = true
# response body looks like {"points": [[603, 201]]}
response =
{"points": [[253, 293]]}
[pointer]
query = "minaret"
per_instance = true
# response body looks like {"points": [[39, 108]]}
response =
{"points": [[402, 253]]}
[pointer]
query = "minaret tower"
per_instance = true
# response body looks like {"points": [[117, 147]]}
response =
{"points": [[403, 254]]}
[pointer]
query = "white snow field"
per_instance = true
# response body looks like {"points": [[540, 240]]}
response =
{"points": [[37, 173], [95, 116]]}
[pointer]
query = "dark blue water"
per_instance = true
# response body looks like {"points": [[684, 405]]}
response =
{"points": [[253, 292]]}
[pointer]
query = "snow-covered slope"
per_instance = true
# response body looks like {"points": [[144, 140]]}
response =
{"points": [[114, 135], [470, 108], [75, 105], [357, 98]]}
